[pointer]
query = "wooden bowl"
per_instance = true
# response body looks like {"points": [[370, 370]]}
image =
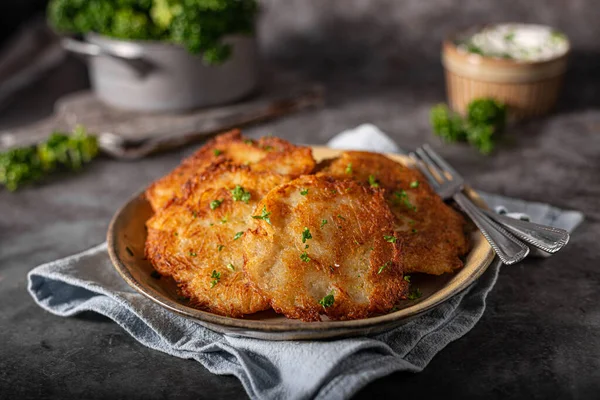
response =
{"points": [[127, 235], [528, 88]]}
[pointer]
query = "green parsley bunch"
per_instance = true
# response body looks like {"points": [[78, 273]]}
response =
{"points": [[60, 152], [485, 119], [197, 25]]}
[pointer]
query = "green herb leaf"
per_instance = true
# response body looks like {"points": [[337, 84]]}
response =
{"points": [[328, 300], [391, 239], [193, 254], [403, 197], [220, 247], [306, 235], [239, 194], [407, 278], [217, 152], [304, 192], [238, 235], [323, 223], [414, 294], [304, 257], [373, 182], [264, 216], [349, 169], [216, 276], [230, 267], [215, 204], [384, 266], [414, 184]]}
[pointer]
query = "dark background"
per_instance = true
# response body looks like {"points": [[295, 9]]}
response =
{"points": [[380, 63]]}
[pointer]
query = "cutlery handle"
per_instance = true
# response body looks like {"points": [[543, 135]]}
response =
{"points": [[507, 247], [546, 238]]}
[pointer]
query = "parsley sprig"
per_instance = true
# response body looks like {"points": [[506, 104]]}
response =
{"points": [[306, 235], [240, 194], [264, 216], [328, 300], [216, 277], [215, 204]]}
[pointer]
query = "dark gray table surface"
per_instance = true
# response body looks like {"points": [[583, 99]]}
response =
{"points": [[538, 338]]}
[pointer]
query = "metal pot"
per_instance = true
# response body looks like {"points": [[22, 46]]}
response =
{"points": [[158, 76]]}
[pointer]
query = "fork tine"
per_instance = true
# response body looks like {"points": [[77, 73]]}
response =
{"points": [[424, 170], [440, 161], [431, 165]]}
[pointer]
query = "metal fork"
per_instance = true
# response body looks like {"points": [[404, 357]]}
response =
{"points": [[449, 184], [546, 238]]}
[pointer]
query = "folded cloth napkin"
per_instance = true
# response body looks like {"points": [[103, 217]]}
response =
{"points": [[332, 369]]}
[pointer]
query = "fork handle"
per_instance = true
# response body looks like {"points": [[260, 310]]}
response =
{"points": [[546, 238], [507, 247]]}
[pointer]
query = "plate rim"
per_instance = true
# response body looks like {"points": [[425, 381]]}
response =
{"points": [[246, 327]]}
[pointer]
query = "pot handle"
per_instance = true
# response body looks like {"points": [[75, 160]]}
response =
{"points": [[131, 55], [125, 51]]}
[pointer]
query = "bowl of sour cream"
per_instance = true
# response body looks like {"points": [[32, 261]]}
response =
{"points": [[522, 65]]}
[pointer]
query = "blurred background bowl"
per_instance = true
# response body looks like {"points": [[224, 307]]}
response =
{"points": [[160, 77], [529, 89]]}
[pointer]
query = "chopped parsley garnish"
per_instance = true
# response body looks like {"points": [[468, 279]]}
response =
{"points": [[224, 219], [239, 194], [323, 223], [264, 216], [414, 294], [414, 230], [407, 278], [238, 235], [220, 247], [391, 239], [304, 192], [215, 204], [216, 276], [373, 182], [230, 267], [403, 197], [194, 214], [129, 251], [306, 235], [267, 148], [349, 169], [328, 300], [340, 217], [414, 184], [249, 142], [217, 152], [384, 266], [193, 254], [304, 257]]}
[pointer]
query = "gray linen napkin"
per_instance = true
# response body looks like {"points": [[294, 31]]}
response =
{"points": [[332, 369]]}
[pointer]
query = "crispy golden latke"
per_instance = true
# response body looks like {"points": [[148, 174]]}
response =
{"points": [[266, 154], [433, 234], [326, 248], [196, 239]]}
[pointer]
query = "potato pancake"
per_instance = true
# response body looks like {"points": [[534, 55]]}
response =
{"points": [[321, 245], [266, 154], [196, 238], [433, 233]]}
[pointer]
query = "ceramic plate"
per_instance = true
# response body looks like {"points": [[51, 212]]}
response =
{"points": [[127, 235]]}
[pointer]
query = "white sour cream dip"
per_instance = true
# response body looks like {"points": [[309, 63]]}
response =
{"points": [[519, 42]]}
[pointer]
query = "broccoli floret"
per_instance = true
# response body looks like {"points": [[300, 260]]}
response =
{"points": [[60, 152], [446, 124], [486, 112], [484, 121], [197, 25]]}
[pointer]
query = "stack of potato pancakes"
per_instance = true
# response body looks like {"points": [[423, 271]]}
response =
{"points": [[246, 225]]}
